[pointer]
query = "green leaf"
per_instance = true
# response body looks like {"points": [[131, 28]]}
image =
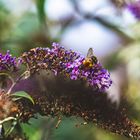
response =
{"points": [[36, 127], [23, 94]]}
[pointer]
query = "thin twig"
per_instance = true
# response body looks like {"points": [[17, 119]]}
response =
{"points": [[24, 75]]}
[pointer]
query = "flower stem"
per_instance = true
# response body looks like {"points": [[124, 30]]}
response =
{"points": [[24, 75]]}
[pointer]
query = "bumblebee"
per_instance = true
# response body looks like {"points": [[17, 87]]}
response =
{"points": [[90, 59]]}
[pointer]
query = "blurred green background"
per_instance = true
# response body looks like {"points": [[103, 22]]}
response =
{"points": [[105, 25]]}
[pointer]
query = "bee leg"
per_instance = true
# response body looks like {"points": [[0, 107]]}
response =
{"points": [[58, 122]]}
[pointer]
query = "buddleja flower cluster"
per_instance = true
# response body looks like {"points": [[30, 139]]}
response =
{"points": [[8, 63], [134, 7], [68, 63]]}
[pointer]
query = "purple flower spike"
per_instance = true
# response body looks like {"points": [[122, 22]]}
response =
{"points": [[135, 8], [8, 63], [68, 63]]}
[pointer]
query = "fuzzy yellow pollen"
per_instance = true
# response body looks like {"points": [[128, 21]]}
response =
{"points": [[88, 63]]}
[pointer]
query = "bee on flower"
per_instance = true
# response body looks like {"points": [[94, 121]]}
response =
{"points": [[90, 59]]}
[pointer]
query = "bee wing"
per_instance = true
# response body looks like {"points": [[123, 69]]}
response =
{"points": [[90, 53]]}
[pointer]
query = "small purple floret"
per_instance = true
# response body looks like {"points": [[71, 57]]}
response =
{"points": [[8, 63], [135, 8]]}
